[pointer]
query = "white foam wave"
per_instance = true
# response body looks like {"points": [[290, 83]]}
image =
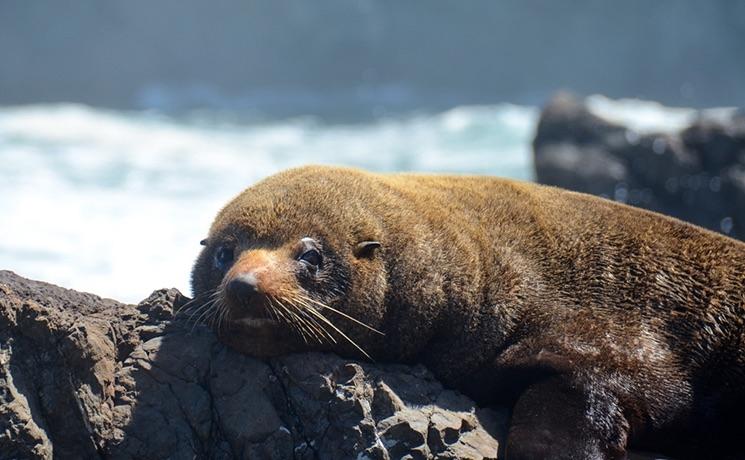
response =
{"points": [[648, 117]]}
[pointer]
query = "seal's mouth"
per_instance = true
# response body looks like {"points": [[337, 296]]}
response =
{"points": [[248, 311]]}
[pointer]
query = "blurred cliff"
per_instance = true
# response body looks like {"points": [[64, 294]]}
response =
{"points": [[364, 57]]}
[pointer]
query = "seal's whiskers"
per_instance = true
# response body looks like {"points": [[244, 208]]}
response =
{"points": [[207, 310], [325, 320], [196, 304], [311, 321], [290, 318], [326, 307], [319, 332]]}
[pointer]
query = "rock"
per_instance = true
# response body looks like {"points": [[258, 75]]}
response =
{"points": [[695, 172], [85, 377]]}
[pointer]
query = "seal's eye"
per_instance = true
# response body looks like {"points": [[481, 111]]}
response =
{"points": [[224, 257], [311, 257]]}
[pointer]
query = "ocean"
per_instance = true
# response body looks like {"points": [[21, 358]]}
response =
{"points": [[116, 202]]}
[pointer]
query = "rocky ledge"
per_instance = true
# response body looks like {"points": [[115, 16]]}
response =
{"points": [[692, 166], [85, 377]]}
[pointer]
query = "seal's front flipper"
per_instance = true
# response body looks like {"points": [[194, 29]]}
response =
{"points": [[556, 419]]}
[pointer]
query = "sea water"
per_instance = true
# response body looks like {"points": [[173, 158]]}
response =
{"points": [[115, 203]]}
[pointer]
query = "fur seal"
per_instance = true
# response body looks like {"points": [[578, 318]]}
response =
{"points": [[603, 326]]}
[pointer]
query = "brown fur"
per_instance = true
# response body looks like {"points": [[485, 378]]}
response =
{"points": [[602, 324]]}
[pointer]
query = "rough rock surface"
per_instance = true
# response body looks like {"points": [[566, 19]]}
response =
{"points": [[85, 377], [696, 174]]}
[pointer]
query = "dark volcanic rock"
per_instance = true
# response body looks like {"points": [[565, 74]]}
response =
{"points": [[696, 174], [85, 377]]}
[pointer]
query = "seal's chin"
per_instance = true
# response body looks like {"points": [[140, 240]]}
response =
{"points": [[252, 331], [248, 322]]}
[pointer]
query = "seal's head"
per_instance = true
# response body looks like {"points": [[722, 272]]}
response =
{"points": [[294, 263]]}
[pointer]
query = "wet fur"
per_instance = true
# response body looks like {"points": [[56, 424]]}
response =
{"points": [[602, 324]]}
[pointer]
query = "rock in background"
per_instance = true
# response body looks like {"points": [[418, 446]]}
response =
{"points": [[694, 171], [85, 377]]}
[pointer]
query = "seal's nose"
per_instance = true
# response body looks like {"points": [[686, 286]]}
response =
{"points": [[243, 286]]}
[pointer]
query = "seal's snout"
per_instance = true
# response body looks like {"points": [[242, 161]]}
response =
{"points": [[242, 287], [256, 277]]}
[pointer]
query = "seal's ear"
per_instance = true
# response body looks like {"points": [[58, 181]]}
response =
{"points": [[203, 242], [366, 248]]}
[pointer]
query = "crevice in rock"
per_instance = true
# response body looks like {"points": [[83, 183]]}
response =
{"points": [[217, 436], [298, 426], [196, 441]]}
